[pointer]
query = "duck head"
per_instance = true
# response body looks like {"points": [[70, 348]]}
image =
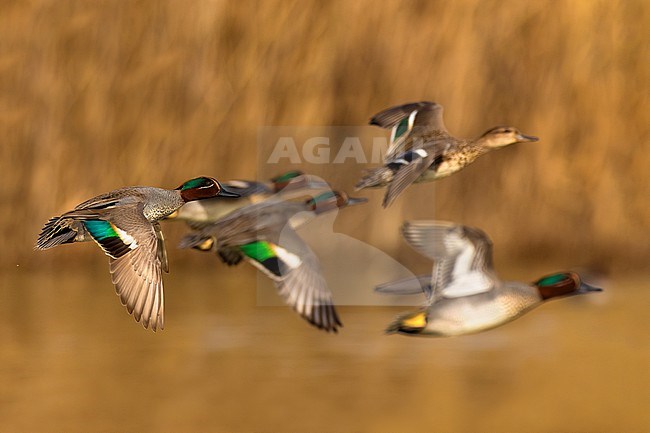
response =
{"points": [[563, 284], [332, 200], [296, 179], [502, 136], [204, 187]]}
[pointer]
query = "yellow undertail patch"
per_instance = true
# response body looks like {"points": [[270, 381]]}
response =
{"points": [[206, 245], [417, 321]]}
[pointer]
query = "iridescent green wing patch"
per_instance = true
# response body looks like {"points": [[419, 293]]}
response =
{"points": [[108, 237], [263, 255], [401, 128], [404, 126]]}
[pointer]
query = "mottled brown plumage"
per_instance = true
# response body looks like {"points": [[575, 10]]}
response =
{"points": [[422, 150]]}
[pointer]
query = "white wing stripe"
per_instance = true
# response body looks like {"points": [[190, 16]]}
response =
{"points": [[126, 238]]}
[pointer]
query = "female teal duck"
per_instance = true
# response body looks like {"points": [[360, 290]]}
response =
{"points": [[464, 293], [198, 214], [263, 234], [422, 150], [124, 223]]}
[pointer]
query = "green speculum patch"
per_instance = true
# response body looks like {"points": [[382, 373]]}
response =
{"points": [[259, 250], [401, 127], [100, 229]]}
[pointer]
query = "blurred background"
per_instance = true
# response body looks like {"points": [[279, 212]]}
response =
{"points": [[100, 95]]}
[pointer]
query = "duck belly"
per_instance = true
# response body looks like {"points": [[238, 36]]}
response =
{"points": [[444, 169], [477, 313], [461, 317]]}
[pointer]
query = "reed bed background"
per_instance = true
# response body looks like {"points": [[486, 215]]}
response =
{"points": [[103, 94]]}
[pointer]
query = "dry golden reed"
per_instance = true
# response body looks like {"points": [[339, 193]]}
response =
{"points": [[102, 94]]}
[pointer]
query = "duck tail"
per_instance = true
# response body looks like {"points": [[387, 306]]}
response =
{"points": [[393, 328], [375, 178], [230, 255], [198, 241], [60, 230]]}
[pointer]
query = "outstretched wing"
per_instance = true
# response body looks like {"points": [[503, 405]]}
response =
{"points": [[406, 286], [462, 257], [429, 113], [410, 166], [137, 258], [419, 117], [262, 234], [294, 268]]}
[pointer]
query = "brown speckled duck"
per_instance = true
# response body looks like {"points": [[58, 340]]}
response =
{"points": [[421, 149]]}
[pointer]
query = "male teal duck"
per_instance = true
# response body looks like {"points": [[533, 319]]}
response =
{"points": [[263, 234], [124, 223], [464, 293], [422, 150], [198, 214]]}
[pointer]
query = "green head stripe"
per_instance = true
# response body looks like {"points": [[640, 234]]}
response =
{"points": [[324, 196], [100, 229], [287, 176], [195, 183], [259, 250], [551, 279], [401, 128]]}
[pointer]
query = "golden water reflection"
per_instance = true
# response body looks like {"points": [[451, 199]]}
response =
{"points": [[72, 360]]}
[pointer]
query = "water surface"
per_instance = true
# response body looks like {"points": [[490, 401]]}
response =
{"points": [[72, 360]]}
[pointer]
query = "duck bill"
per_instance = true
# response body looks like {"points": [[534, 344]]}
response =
{"points": [[586, 288], [527, 138], [225, 192], [356, 200]]}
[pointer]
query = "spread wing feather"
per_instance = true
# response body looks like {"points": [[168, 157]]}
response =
{"points": [[462, 257], [137, 275]]}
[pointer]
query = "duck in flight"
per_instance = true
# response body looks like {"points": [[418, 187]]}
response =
{"points": [[124, 223], [422, 150], [291, 184], [264, 235], [464, 294]]}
